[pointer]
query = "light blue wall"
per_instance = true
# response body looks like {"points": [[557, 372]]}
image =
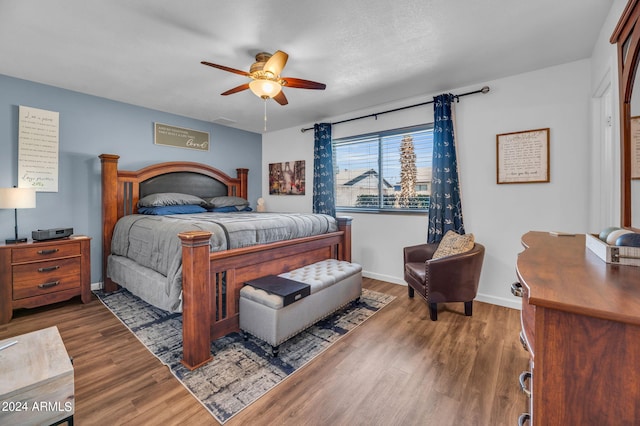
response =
{"points": [[90, 126]]}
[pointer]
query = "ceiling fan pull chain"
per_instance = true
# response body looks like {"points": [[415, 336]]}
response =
{"points": [[265, 114]]}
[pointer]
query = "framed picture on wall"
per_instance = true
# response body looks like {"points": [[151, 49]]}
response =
{"points": [[38, 148], [523, 157], [180, 137], [287, 178]]}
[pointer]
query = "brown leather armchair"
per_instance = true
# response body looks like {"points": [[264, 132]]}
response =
{"points": [[447, 279]]}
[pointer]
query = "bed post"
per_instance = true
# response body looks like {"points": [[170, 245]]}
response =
{"points": [[344, 249], [243, 176], [109, 212], [196, 299]]}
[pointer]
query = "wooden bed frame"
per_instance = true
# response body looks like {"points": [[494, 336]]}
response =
{"points": [[209, 312]]}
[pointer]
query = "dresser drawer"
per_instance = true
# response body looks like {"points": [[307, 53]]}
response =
{"points": [[37, 278], [44, 252]]}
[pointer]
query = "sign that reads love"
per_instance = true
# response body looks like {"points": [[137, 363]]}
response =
{"points": [[180, 137]]}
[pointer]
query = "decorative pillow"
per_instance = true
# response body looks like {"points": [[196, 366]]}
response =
{"points": [[453, 243], [175, 209], [169, 199], [227, 201]]}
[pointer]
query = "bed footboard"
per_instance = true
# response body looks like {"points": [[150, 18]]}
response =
{"points": [[212, 281]]}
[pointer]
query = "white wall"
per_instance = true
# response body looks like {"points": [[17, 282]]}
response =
{"points": [[604, 206], [557, 97], [578, 101]]}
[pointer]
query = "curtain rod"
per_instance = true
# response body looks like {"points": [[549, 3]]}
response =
{"points": [[485, 89]]}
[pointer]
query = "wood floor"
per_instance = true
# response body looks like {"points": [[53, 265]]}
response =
{"points": [[398, 368]]}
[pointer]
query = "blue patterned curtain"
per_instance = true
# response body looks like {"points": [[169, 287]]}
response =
{"points": [[445, 207], [323, 186]]}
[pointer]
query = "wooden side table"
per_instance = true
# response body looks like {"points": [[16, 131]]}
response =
{"points": [[36, 380], [39, 273]]}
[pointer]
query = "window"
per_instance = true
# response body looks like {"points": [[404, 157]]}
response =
{"points": [[387, 171]]}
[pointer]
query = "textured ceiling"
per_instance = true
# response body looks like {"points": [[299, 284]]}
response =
{"points": [[367, 52]]}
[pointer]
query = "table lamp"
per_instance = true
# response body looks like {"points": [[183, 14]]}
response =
{"points": [[17, 198]]}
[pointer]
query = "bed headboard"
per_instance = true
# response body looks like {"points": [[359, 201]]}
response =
{"points": [[197, 184], [122, 189]]}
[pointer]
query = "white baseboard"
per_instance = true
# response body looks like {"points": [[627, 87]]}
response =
{"points": [[96, 286], [500, 301], [382, 277]]}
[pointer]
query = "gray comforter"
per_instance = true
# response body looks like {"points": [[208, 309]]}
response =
{"points": [[152, 241]]}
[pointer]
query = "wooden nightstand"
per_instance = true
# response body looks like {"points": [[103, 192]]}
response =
{"points": [[39, 273]]}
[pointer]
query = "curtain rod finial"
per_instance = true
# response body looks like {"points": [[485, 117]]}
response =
{"points": [[485, 89]]}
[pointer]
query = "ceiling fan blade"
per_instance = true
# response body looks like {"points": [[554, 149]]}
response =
{"points": [[222, 67], [276, 63], [299, 83], [236, 89], [281, 98]]}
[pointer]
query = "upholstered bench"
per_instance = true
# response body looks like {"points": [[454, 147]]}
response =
{"points": [[334, 284]]}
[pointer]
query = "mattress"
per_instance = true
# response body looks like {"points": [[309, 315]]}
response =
{"points": [[146, 253]]}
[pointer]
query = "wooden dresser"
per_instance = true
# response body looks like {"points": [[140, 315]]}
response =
{"points": [[39, 273], [581, 325]]}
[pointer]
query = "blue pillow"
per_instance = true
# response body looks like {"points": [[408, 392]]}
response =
{"points": [[175, 209]]}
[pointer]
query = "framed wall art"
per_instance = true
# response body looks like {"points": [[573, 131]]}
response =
{"points": [[180, 137], [523, 157], [287, 178], [38, 148]]}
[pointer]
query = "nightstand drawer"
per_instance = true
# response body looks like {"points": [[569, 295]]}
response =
{"points": [[44, 252], [33, 279]]}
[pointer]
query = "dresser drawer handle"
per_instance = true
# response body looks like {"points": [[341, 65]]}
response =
{"points": [[49, 251], [516, 289], [524, 376], [523, 418], [523, 341], [49, 284], [48, 269]]}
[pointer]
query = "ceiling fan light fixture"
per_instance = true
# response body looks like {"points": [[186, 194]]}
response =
{"points": [[265, 88]]}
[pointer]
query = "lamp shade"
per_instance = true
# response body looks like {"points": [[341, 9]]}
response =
{"points": [[265, 88], [17, 198]]}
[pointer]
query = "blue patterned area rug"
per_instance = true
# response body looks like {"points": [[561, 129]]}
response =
{"points": [[242, 370]]}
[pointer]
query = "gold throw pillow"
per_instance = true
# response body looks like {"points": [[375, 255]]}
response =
{"points": [[453, 243]]}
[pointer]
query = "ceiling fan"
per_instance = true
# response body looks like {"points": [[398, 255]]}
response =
{"points": [[265, 77]]}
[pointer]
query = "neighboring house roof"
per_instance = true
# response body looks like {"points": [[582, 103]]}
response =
{"points": [[367, 174], [354, 176]]}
